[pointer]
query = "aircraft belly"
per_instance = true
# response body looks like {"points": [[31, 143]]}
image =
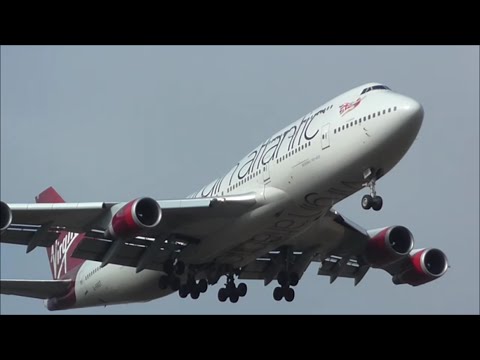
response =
{"points": [[117, 284]]}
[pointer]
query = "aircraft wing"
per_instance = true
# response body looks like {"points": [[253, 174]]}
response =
{"points": [[184, 221], [82, 217], [335, 242], [40, 289]]}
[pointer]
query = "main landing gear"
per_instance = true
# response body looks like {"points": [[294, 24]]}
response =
{"points": [[230, 291], [172, 268], [372, 201], [192, 287], [285, 280]]}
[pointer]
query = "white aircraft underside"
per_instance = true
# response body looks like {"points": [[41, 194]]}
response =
{"points": [[267, 219]]}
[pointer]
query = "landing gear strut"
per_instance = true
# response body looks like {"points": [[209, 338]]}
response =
{"points": [[286, 278], [230, 291], [172, 268], [372, 201]]}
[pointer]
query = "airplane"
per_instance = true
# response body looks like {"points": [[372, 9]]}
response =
{"points": [[268, 218]]}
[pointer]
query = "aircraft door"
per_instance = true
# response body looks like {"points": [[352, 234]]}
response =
{"points": [[325, 136], [266, 174]]}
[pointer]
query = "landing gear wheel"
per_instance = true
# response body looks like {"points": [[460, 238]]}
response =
{"points": [[168, 266], [222, 294], [282, 278], [183, 291], [179, 267], [278, 293], [367, 202], [242, 289], [294, 279], [202, 285], [163, 282], [289, 294], [377, 203], [195, 294], [234, 297], [175, 283]]}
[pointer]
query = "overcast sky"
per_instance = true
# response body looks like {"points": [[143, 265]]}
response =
{"points": [[114, 123]]}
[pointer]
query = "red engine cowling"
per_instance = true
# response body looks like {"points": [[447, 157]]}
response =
{"points": [[133, 218], [5, 216], [389, 245], [425, 265]]}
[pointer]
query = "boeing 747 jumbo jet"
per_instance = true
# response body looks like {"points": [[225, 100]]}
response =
{"points": [[268, 218]]}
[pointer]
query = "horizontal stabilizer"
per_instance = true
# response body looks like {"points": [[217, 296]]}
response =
{"points": [[40, 289]]}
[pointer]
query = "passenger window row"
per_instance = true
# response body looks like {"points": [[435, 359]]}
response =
{"points": [[294, 151], [92, 272], [244, 180], [364, 119], [258, 172]]}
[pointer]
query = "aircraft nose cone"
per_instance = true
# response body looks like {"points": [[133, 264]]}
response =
{"points": [[414, 112]]}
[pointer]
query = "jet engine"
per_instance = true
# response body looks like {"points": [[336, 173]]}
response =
{"points": [[5, 216], [389, 245], [425, 265], [133, 218]]}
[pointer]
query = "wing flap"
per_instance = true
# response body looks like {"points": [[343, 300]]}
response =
{"points": [[345, 267], [95, 249], [256, 270], [128, 254], [23, 235], [39, 289]]}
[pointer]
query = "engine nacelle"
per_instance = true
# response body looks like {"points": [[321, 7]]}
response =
{"points": [[425, 265], [133, 218], [5, 216], [389, 245]]}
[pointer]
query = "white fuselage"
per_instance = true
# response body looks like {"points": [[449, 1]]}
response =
{"points": [[298, 174]]}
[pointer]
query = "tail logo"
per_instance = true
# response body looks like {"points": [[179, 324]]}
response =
{"points": [[59, 254]]}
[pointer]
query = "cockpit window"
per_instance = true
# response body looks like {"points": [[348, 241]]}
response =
{"points": [[376, 87]]}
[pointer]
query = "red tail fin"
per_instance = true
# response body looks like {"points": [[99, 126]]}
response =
{"points": [[62, 264]]}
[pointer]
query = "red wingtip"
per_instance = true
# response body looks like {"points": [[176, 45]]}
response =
{"points": [[49, 195]]}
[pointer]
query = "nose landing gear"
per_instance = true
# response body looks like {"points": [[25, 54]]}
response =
{"points": [[372, 201]]}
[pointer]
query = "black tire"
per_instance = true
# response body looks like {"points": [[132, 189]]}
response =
{"points": [[168, 266], [234, 297], [377, 203], [231, 289], [202, 285], [179, 267], [289, 294], [163, 282], [195, 294], [222, 295], [191, 283], [367, 202], [282, 278], [183, 291], [242, 289], [278, 293], [294, 279], [175, 283]]}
